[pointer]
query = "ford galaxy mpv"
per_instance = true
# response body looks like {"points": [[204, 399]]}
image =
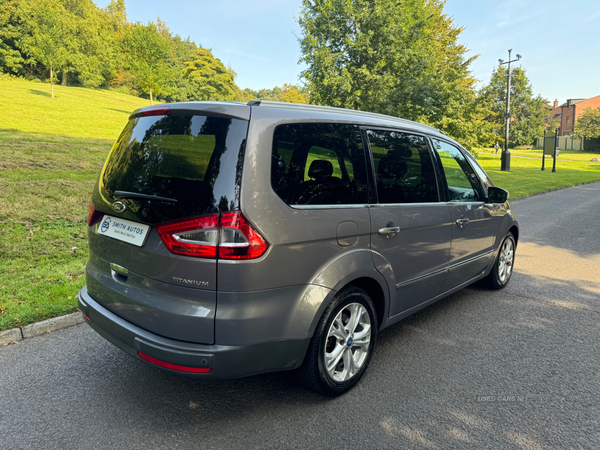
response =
{"points": [[228, 240]]}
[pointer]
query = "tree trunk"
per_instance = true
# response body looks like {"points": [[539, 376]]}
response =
{"points": [[51, 81], [64, 78], [151, 97]]}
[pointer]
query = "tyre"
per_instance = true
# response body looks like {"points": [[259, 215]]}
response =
{"points": [[341, 348], [503, 266]]}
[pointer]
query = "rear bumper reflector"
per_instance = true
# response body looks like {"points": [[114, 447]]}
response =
{"points": [[167, 365]]}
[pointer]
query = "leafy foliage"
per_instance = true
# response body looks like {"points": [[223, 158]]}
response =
{"points": [[588, 127], [94, 47], [116, 15], [146, 53], [48, 40], [214, 81], [527, 112], [391, 57], [290, 94], [91, 43], [588, 124], [11, 29]]}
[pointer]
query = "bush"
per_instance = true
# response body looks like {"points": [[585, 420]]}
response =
{"points": [[592, 145]]}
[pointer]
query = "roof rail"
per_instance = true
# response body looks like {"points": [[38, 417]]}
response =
{"points": [[333, 109]]}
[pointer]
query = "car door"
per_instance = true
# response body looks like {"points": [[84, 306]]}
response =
{"points": [[473, 227], [410, 226]]}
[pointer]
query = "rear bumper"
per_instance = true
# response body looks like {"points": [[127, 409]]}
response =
{"points": [[224, 361]]}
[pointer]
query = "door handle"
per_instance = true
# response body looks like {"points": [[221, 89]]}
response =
{"points": [[389, 231], [462, 222]]}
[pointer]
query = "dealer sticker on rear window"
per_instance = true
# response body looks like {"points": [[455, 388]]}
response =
{"points": [[123, 230]]}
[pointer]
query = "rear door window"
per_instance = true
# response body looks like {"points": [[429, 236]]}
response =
{"points": [[184, 165], [404, 170], [319, 164]]}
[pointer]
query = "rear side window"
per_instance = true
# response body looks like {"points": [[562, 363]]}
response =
{"points": [[319, 164], [403, 167], [190, 164]]}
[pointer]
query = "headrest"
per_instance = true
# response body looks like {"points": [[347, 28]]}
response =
{"points": [[400, 152], [320, 169], [392, 168]]}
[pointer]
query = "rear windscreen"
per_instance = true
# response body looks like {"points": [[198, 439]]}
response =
{"points": [[171, 167]]}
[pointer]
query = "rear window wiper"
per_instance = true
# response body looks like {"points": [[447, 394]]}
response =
{"points": [[125, 194]]}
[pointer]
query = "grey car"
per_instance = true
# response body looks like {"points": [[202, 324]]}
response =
{"points": [[230, 239]]}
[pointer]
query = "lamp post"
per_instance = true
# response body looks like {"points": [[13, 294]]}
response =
{"points": [[505, 160]]}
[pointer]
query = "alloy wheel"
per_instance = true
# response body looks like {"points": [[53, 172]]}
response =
{"points": [[505, 265], [347, 342]]}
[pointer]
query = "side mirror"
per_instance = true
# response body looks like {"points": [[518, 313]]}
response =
{"points": [[497, 195]]}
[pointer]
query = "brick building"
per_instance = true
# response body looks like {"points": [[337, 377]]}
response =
{"points": [[569, 112]]}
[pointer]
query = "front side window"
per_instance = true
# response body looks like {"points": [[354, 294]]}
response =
{"points": [[463, 184], [403, 167], [319, 164]]}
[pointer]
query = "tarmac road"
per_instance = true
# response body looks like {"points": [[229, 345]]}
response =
{"points": [[518, 368]]}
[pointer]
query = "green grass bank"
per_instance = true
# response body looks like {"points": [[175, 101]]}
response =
{"points": [[45, 186], [76, 112]]}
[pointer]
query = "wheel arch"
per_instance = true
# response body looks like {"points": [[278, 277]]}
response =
{"points": [[375, 292], [354, 268], [515, 232]]}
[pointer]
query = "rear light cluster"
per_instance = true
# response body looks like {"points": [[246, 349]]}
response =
{"points": [[215, 236], [93, 215]]}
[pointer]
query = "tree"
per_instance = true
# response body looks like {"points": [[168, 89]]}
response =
{"points": [[91, 44], [588, 127], [552, 123], [588, 124], [47, 41], [290, 94], [12, 29], [271, 95], [527, 112], [391, 57], [146, 53], [180, 88], [116, 15], [214, 80]]}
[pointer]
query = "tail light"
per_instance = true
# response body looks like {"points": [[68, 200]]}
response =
{"points": [[194, 237], [93, 215], [226, 236]]}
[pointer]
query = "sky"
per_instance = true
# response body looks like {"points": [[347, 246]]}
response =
{"points": [[559, 40]]}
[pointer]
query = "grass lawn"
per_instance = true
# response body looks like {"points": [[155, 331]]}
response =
{"points": [[525, 176], [45, 187], [77, 112]]}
